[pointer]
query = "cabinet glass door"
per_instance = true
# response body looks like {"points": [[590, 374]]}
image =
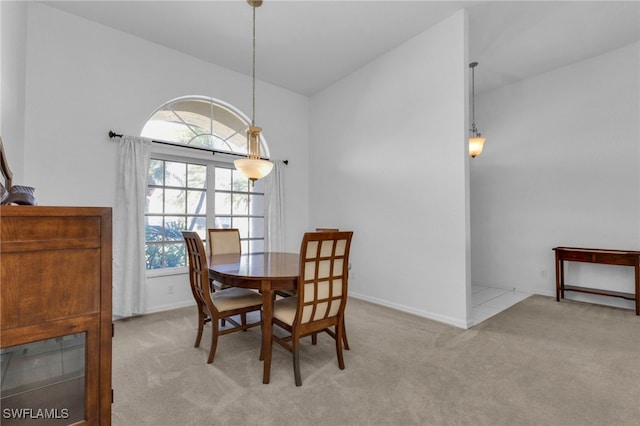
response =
{"points": [[44, 381]]}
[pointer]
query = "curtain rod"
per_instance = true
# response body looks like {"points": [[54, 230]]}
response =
{"points": [[113, 134]]}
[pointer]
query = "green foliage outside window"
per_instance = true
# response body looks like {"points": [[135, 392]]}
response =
{"points": [[174, 254], [176, 201]]}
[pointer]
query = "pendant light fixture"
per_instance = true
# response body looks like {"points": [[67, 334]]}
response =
{"points": [[476, 141], [253, 167]]}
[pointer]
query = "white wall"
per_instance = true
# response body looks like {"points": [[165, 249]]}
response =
{"points": [[84, 79], [13, 46], [388, 161], [383, 153], [561, 167]]}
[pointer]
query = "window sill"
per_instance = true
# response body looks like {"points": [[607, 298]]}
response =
{"points": [[167, 272]]}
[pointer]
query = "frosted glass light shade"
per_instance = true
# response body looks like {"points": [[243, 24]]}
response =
{"points": [[475, 146], [253, 169]]}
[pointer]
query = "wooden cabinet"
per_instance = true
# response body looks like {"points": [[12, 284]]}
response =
{"points": [[55, 314]]}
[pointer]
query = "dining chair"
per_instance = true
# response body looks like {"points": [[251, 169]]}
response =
{"points": [[321, 297], [289, 293], [223, 241], [314, 337], [219, 305]]}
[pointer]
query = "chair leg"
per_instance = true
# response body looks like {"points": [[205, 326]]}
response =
{"points": [[314, 339], [296, 362], [201, 318], [344, 336], [339, 335], [261, 357], [214, 339], [243, 320]]}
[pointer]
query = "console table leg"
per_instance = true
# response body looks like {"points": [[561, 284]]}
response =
{"points": [[562, 279], [559, 279], [637, 267]]}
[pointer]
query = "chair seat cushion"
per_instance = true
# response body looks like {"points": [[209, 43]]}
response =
{"points": [[285, 293], [218, 285], [235, 298], [285, 309]]}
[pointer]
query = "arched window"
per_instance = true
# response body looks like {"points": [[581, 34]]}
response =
{"points": [[191, 193], [201, 122]]}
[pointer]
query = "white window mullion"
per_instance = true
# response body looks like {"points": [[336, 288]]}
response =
{"points": [[211, 199]]}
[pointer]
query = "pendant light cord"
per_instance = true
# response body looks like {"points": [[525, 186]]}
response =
{"points": [[474, 130], [473, 98], [253, 71]]}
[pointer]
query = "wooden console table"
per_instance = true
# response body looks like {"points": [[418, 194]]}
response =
{"points": [[608, 257]]}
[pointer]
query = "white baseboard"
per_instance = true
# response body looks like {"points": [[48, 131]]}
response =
{"points": [[408, 309], [170, 307]]}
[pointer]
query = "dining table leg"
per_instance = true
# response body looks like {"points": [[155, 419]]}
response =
{"points": [[267, 328]]}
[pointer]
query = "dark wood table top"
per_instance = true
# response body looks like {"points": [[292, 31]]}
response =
{"points": [[256, 266]]}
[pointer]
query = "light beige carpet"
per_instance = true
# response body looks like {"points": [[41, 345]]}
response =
{"points": [[538, 363]]}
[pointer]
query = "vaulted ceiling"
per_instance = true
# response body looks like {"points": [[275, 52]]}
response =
{"points": [[306, 45]]}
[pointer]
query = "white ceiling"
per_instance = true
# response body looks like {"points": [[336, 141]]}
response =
{"points": [[306, 45]]}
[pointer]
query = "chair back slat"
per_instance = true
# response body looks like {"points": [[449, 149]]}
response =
{"points": [[323, 279], [198, 269], [224, 240]]}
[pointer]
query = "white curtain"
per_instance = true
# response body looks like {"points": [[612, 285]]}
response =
{"points": [[129, 274], [274, 208]]}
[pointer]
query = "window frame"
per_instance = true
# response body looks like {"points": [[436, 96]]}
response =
{"points": [[179, 152], [168, 153], [215, 103], [251, 192], [164, 214]]}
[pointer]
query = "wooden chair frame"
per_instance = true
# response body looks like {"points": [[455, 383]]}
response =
{"points": [[320, 304], [207, 311], [314, 337]]}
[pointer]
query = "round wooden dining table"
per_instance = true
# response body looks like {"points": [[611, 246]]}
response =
{"points": [[266, 272]]}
